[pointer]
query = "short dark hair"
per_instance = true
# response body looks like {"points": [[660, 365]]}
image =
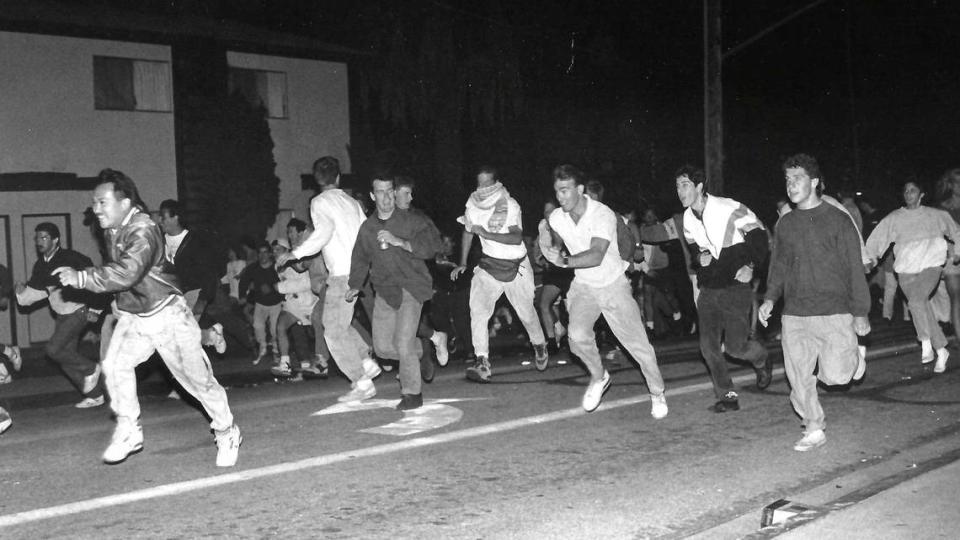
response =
{"points": [[383, 176], [809, 164], [326, 170], [569, 172], [49, 228], [171, 206], [299, 224], [123, 187], [695, 174], [595, 189], [491, 170], [404, 181]]}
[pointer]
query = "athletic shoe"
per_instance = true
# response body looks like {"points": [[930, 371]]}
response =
{"points": [[811, 440], [90, 402], [127, 439], [358, 394], [765, 372], [219, 344], [16, 360], [5, 377], [559, 330], [439, 340], [729, 402], [91, 380], [427, 368], [371, 369], [594, 393], [5, 420], [540, 356], [941, 364], [410, 401], [311, 371], [480, 370], [861, 363], [926, 352], [658, 406], [281, 370], [228, 446], [173, 394]]}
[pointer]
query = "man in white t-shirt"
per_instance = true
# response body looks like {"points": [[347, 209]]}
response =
{"points": [[588, 230], [493, 215], [336, 221]]}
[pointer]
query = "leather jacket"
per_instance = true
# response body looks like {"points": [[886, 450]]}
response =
{"points": [[134, 273]]}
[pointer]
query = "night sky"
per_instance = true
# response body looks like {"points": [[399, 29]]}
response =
{"points": [[883, 73]]}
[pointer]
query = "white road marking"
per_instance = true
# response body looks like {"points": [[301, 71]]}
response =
{"points": [[178, 488], [433, 414]]}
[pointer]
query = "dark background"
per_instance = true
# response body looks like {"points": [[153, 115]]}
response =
{"points": [[866, 86]]}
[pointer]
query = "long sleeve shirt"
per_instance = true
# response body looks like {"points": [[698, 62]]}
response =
{"points": [[336, 219], [816, 264], [263, 281], [395, 269], [731, 233], [43, 284], [918, 237]]}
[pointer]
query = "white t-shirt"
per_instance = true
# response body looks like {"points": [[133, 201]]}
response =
{"points": [[336, 223], [173, 242], [493, 248], [598, 221]]}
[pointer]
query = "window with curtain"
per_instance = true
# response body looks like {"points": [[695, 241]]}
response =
{"points": [[267, 89], [128, 84]]}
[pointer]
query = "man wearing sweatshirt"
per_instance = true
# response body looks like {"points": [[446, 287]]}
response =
{"points": [[336, 221], [816, 267], [731, 242]]}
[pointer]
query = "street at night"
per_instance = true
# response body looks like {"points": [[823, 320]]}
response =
{"points": [[523, 460]]}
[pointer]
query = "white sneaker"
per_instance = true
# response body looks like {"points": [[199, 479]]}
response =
{"points": [[371, 369], [861, 363], [594, 393], [91, 380], [658, 406], [811, 440], [941, 365], [127, 439], [439, 340], [5, 377], [358, 393], [926, 352], [228, 446], [559, 330], [219, 344], [16, 360], [5, 420], [88, 403]]}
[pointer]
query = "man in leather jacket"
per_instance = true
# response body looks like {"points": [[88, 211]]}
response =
{"points": [[152, 315]]}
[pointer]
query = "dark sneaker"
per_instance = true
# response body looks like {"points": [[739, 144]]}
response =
{"points": [[410, 402], [427, 367], [728, 403], [540, 356], [480, 370], [764, 372], [311, 371]]}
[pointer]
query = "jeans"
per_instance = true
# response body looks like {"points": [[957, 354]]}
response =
{"points": [[725, 318], [829, 338], [62, 349], [173, 332], [622, 314], [265, 317], [395, 338], [485, 290], [320, 350], [347, 348], [918, 288]]}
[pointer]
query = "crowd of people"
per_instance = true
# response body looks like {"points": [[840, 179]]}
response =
{"points": [[364, 293]]}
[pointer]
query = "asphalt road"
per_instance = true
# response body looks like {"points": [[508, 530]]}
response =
{"points": [[516, 458]]}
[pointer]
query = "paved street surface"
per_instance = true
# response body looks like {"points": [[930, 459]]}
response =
{"points": [[516, 458]]}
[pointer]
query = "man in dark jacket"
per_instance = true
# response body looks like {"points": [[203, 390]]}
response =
{"points": [[72, 311], [152, 315]]}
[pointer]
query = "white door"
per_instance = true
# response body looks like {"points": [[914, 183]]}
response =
{"points": [[40, 322]]}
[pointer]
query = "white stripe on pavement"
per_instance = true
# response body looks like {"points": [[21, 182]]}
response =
{"points": [[178, 488]]}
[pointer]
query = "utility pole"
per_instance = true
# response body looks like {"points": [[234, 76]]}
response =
{"points": [[713, 96]]}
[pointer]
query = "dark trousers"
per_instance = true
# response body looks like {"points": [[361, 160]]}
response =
{"points": [[725, 318], [450, 313], [62, 349]]}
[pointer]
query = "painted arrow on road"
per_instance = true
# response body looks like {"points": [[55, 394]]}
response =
{"points": [[433, 414]]}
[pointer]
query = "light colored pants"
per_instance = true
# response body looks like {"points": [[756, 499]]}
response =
{"points": [[829, 338], [173, 332], [485, 290], [622, 314], [265, 317], [346, 346], [918, 288], [395, 338]]}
